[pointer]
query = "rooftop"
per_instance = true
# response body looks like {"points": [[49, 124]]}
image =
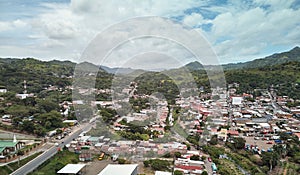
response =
{"points": [[7, 143], [71, 169], [162, 173], [116, 169]]}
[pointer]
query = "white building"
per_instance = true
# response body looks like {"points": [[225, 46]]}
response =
{"points": [[3, 90], [71, 169], [162, 173], [116, 169]]}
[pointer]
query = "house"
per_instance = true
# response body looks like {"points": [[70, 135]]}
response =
{"points": [[233, 133], [115, 169], [85, 157], [6, 118], [24, 96], [297, 135], [71, 122], [189, 169], [237, 100], [3, 90], [9, 146], [222, 134]]}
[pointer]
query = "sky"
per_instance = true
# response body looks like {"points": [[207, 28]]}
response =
{"points": [[236, 31]]}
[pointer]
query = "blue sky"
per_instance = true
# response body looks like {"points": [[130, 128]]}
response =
{"points": [[238, 31]]}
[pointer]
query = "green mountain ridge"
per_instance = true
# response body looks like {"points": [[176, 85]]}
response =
{"points": [[275, 59]]}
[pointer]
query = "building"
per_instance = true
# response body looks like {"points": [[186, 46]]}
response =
{"points": [[117, 169], [71, 122], [162, 173], [72, 169], [3, 90], [9, 146]]}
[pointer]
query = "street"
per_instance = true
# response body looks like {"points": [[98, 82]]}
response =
{"points": [[35, 163]]}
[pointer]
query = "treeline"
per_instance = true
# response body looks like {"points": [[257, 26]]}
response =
{"points": [[284, 78]]}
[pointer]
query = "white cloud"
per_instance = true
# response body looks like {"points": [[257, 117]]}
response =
{"points": [[195, 19], [12, 25], [246, 34], [238, 31]]}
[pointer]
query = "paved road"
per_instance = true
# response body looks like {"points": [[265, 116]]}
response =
{"points": [[33, 164], [207, 165]]}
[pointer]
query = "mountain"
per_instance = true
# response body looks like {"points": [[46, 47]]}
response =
{"points": [[275, 59], [194, 66], [118, 70]]}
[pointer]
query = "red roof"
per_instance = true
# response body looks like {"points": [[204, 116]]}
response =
{"points": [[199, 131], [232, 132], [184, 167], [297, 134]]}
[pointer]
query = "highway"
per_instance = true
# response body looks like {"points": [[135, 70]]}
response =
{"points": [[35, 163]]}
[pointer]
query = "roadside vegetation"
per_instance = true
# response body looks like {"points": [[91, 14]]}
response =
{"points": [[54, 164], [7, 169]]}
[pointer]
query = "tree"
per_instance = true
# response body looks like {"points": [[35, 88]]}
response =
{"points": [[39, 130], [53, 120], [47, 105], [159, 165], [239, 143], [18, 110], [146, 163], [204, 173], [177, 172], [28, 126], [177, 154], [121, 161], [195, 157], [108, 114], [270, 159], [214, 140]]}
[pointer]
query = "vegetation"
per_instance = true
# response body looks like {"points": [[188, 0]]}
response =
{"points": [[157, 164], [236, 144], [177, 172], [7, 169], [51, 166]]}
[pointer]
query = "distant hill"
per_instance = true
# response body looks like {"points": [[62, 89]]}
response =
{"points": [[275, 59], [194, 66], [118, 70], [279, 58]]}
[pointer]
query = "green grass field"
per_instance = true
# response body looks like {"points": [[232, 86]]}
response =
{"points": [[51, 166]]}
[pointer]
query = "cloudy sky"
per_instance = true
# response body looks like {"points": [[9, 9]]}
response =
{"points": [[237, 31]]}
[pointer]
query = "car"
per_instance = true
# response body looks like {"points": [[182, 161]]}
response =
{"points": [[269, 142], [101, 156], [209, 159], [56, 144]]}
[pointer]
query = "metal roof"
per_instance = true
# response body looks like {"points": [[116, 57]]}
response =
{"points": [[8, 143], [71, 169], [115, 169]]}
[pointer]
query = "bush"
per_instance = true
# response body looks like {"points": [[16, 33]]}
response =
{"points": [[204, 173], [121, 161], [159, 165], [195, 157], [146, 163], [177, 172]]}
